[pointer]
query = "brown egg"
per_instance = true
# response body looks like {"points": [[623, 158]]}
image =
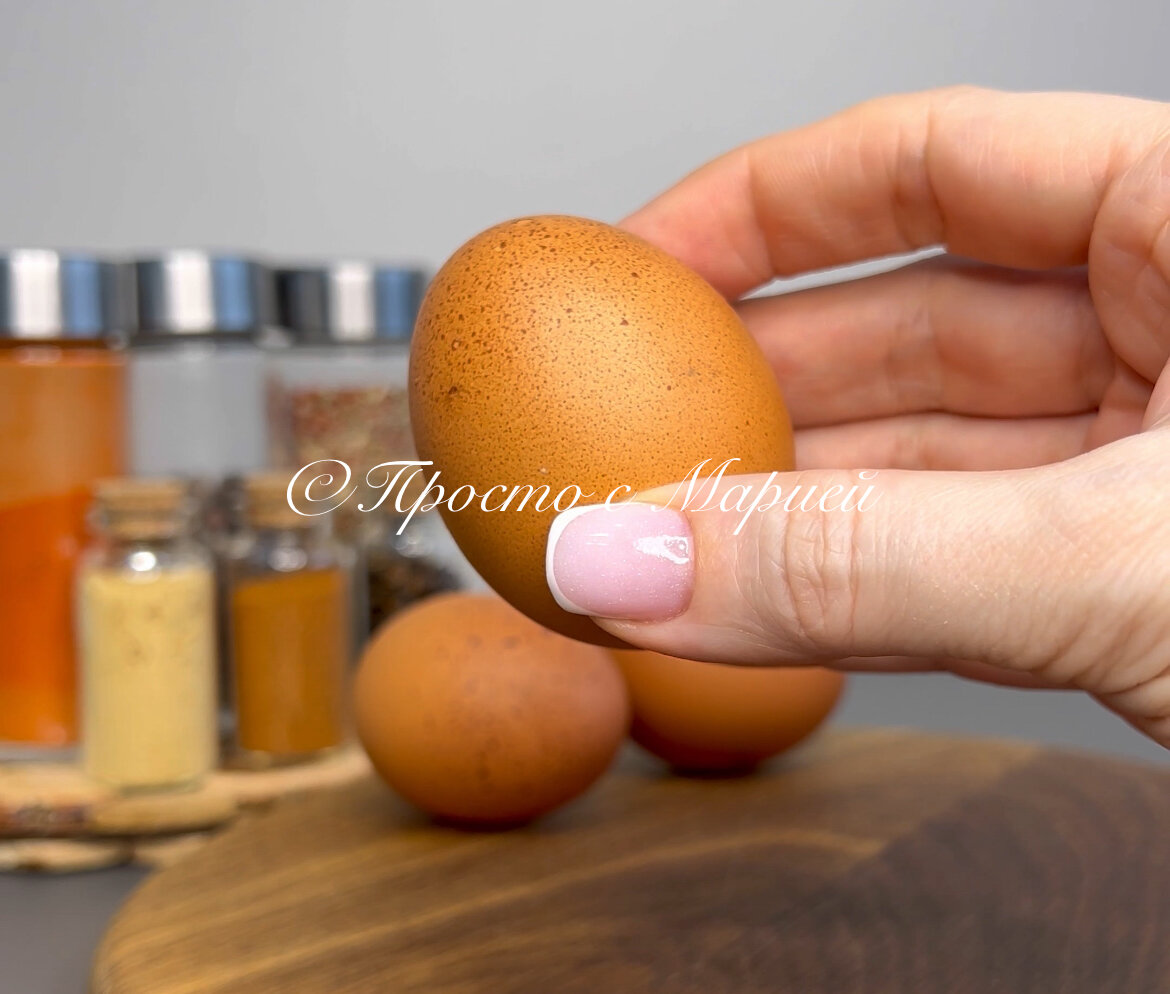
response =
{"points": [[710, 717], [474, 713], [559, 352]]}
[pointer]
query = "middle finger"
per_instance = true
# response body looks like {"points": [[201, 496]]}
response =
{"points": [[941, 335]]}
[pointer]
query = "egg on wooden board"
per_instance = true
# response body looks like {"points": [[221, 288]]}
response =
{"points": [[711, 717], [557, 352], [475, 713]]}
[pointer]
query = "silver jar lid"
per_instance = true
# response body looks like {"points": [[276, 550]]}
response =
{"points": [[349, 302], [186, 292], [54, 295]]}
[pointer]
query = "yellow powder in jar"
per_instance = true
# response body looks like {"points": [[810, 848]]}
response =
{"points": [[148, 704]]}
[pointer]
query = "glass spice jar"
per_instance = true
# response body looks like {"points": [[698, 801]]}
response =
{"points": [[197, 394], [197, 367], [62, 427], [339, 391], [290, 625], [146, 609], [404, 565]]}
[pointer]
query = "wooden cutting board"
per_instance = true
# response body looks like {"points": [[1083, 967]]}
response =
{"points": [[877, 861]]}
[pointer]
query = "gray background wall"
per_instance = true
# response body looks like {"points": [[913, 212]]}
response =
{"points": [[397, 130]]}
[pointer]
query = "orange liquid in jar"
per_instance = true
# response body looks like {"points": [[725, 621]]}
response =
{"points": [[62, 427]]}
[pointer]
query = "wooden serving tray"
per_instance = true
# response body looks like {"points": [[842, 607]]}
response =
{"points": [[877, 861]]}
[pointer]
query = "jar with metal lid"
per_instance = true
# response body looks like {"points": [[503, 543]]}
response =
{"points": [[146, 617], [290, 622], [62, 427], [339, 391], [197, 367]]}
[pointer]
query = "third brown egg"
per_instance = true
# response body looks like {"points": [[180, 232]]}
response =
{"points": [[708, 717]]}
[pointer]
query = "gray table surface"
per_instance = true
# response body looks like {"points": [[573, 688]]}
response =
{"points": [[49, 926]]}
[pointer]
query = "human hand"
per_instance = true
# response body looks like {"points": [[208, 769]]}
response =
{"points": [[1039, 361]]}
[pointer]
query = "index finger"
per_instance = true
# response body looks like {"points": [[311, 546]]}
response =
{"points": [[1011, 179]]}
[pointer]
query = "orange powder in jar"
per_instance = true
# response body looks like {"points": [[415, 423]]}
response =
{"points": [[39, 543], [62, 426], [290, 651]]}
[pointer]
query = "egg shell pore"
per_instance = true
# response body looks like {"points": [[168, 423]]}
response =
{"points": [[474, 713], [558, 351]]}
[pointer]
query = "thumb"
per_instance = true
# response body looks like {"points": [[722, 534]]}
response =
{"points": [[823, 565]]}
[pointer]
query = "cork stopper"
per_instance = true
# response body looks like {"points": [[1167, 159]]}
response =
{"points": [[266, 503], [143, 508]]}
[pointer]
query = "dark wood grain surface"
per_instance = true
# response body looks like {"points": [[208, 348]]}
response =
{"points": [[871, 862]]}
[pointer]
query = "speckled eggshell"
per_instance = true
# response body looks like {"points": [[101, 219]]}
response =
{"points": [[561, 351], [474, 713], [706, 717]]}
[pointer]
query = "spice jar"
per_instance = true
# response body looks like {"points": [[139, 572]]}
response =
{"points": [[62, 427], [404, 565], [339, 392], [146, 605], [196, 366], [290, 622], [197, 401]]}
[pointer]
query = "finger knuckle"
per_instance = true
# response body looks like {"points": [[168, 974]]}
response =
{"points": [[806, 580]]}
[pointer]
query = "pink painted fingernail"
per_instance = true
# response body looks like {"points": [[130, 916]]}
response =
{"points": [[628, 561]]}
